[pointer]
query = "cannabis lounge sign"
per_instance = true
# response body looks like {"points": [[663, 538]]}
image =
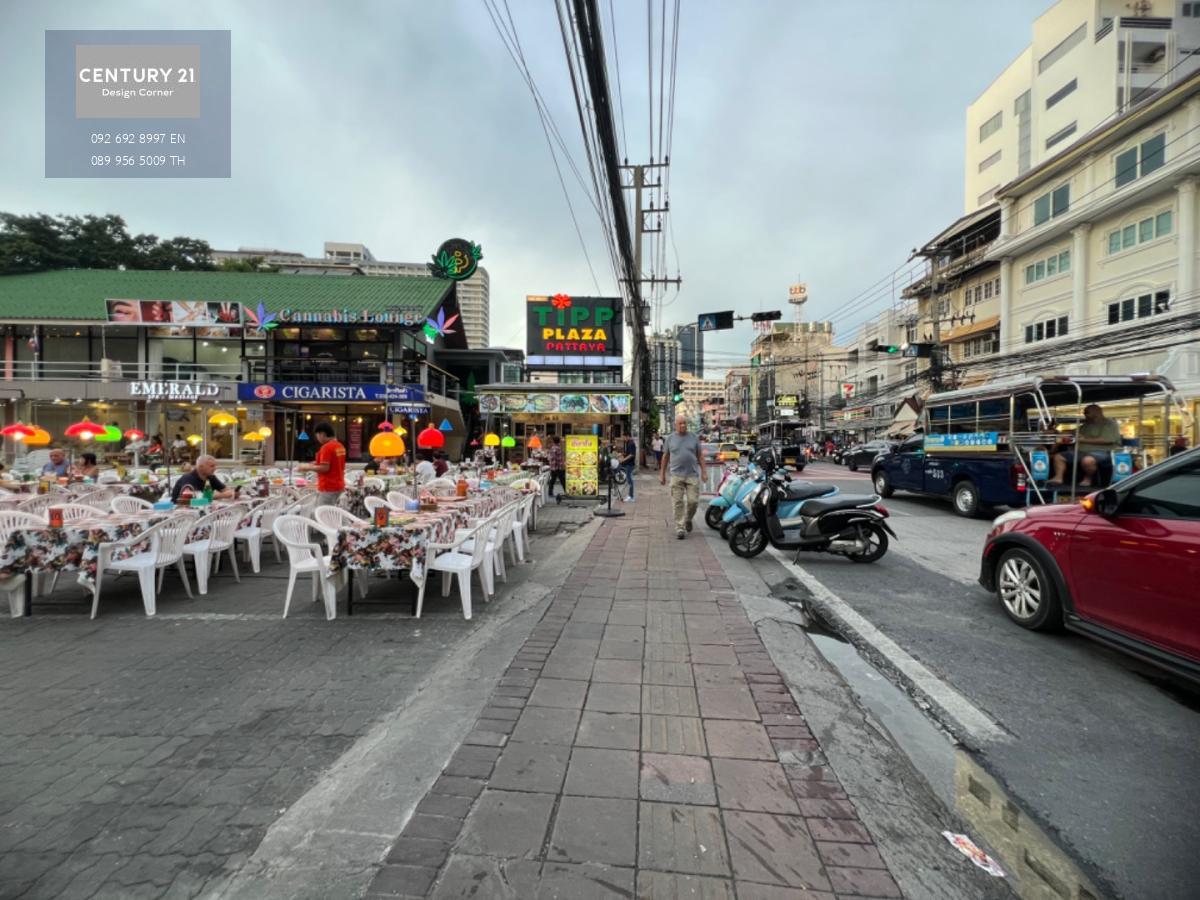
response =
{"points": [[573, 326]]}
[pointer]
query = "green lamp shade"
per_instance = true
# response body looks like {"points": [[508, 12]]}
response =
{"points": [[508, 441]]}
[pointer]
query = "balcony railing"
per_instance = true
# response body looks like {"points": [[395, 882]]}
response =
{"points": [[317, 370], [113, 370]]}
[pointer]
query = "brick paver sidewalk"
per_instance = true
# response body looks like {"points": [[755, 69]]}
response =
{"points": [[641, 744]]}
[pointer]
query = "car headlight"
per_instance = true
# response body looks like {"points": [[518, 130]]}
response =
{"points": [[1014, 515]]}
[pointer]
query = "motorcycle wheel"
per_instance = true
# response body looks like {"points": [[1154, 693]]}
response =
{"points": [[877, 544], [713, 516], [725, 529], [747, 540]]}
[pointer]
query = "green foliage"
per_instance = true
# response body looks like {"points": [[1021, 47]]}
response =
{"points": [[250, 264], [40, 243]]}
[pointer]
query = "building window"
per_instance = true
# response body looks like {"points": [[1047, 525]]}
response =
{"points": [[997, 287], [1140, 307], [982, 345], [990, 161], [991, 126], [1065, 46], [987, 290], [1046, 330], [1061, 135], [1062, 93], [1138, 162], [1054, 264], [1147, 229], [1191, 10], [1052, 204]]}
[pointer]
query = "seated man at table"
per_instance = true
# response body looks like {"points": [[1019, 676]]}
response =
{"points": [[57, 465], [1097, 436], [199, 478]]}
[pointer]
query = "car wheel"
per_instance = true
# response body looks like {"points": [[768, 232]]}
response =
{"points": [[713, 516], [1027, 592], [966, 499], [883, 485], [747, 540], [853, 466]]}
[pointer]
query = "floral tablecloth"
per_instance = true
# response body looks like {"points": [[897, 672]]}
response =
{"points": [[74, 547]]}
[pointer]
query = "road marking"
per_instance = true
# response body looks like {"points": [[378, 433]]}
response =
{"points": [[970, 720]]}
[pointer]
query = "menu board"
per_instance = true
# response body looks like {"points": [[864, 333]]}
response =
{"points": [[583, 465], [608, 404]]}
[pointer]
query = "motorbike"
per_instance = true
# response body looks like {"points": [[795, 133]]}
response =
{"points": [[727, 492], [797, 494], [850, 526]]}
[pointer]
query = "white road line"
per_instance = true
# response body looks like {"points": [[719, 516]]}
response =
{"points": [[971, 720]]}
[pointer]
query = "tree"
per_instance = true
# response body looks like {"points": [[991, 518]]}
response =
{"points": [[31, 244], [250, 264]]}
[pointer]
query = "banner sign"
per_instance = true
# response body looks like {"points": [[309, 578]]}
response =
{"points": [[564, 331], [174, 390], [787, 400], [409, 409], [198, 313], [571, 404], [583, 465], [334, 393], [981, 440]]}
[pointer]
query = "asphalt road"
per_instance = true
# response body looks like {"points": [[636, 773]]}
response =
{"points": [[1098, 748]]}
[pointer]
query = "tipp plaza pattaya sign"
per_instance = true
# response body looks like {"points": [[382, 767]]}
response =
{"points": [[564, 331]]}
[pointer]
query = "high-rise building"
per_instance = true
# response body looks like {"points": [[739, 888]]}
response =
{"points": [[691, 348], [341, 258], [664, 365], [1089, 61]]}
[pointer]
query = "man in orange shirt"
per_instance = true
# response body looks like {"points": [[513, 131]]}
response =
{"points": [[330, 466]]}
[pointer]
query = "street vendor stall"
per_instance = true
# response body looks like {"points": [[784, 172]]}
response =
{"points": [[586, 417]]}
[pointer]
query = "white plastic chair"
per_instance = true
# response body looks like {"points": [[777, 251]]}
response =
{"points": [[304, 505], [166, 549], [454, 559], [101, 499], [272, 510], [304, 555], [207, 550], [128, 505], [397, 499], [39, 504], [373, 503], [520, 525], [440, 487], [10, 520], [374, 483], [262, 518], [73, 512], [330, 519]]}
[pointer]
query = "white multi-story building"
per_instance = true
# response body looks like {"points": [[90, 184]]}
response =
{"points": [[1089, 61], [665, 352], [698, 393], [341, 258]]}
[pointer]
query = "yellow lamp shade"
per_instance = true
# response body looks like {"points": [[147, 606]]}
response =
{"points": [[252, 436], [386, 443], [222, 418], [491, 439], [39, 438], [194, 439], [265, 431]]}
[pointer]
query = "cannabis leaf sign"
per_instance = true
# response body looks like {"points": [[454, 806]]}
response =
{"points": [[456, 259]]}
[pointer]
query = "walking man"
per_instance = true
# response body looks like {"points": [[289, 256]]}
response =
{"points": [[629, 463], [683, 459], [558, 464], [330, 466], [657, 447]]}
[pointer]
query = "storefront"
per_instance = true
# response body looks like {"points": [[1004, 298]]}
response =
{"points": [[524, 411]]}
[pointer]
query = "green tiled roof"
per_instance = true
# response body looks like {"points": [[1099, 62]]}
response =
{"points": [[79, 294]]}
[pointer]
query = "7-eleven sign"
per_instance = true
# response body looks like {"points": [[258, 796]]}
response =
{"points": [[847, 390]]}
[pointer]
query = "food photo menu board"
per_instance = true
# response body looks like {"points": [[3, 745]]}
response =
{"points": [[583, 465]]}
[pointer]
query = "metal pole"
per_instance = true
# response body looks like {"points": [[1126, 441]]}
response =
{"points": [[635, 422]]}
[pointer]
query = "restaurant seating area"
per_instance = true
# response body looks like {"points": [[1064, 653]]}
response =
{"points": [[383, 532]]}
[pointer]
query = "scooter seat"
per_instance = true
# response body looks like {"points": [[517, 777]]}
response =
{"points": [[799, 490], [846, 501]]}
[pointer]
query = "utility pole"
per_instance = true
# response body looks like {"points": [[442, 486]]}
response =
{"points": [[639, 379]]}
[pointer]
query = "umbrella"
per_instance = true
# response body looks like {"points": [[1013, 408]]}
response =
{"points": [[431, 439]]}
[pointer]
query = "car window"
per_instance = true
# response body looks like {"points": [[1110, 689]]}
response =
{"points": [[1174, 496], [913, 444]]}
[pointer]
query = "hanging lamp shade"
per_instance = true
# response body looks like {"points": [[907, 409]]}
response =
{"points": [[386, 443], [475, 442], [18, 431], [431, 439], [194, 439], [264, 431], [508, 441], [111, 434], [252, 436], [302, 436], [534, 443], [222, 418], [491, 439], [445, 426], [39, 438], [85, 429], [134, 434]]}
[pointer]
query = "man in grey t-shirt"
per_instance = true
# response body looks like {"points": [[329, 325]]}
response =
{"points": [[683, 459]]}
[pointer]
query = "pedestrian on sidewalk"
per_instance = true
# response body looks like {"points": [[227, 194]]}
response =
{"points": [[657, 447], [558, 464], [683, 459], [629, 463]]}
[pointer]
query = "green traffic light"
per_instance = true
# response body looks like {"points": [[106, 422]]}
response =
{"points": [[892, 348]]}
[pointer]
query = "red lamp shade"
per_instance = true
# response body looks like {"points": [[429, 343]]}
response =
{"points": [[134, 434], [18, 430], [431, 439], [84, 429]]}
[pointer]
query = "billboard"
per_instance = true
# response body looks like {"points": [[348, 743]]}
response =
{"points": [[569, 332], [191, 313]]}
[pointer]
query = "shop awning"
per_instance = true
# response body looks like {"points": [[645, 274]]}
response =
{"points": [[962, 332]]}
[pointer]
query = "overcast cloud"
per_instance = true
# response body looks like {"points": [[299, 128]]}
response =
{"points": [[813, 141]]}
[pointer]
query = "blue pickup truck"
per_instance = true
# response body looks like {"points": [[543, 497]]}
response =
{"points": [[973, 480]]}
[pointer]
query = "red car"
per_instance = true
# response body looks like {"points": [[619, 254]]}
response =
{"points": [[1121, 566]]}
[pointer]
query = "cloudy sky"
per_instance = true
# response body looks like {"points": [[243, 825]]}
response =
{"points": [[813, 141]]}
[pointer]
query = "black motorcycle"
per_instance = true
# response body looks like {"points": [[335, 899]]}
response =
{"points": [[850, 526]]}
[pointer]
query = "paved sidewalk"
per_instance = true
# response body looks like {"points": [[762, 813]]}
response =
{"points": [[642, 744]]}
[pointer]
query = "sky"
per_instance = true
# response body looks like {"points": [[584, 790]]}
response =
{"points": [[813, 141]]}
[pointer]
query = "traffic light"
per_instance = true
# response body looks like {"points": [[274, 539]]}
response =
{"points": [[918, 351], [766, 316], [877, 347], [677, 395]]}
